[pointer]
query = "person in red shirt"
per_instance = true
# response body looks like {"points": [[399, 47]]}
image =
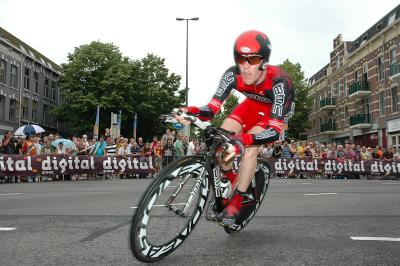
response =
{"points": [[154, 143], [256, 121]]}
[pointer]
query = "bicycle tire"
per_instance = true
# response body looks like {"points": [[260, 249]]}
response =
{"points": [[247, 212], [142, 247]]}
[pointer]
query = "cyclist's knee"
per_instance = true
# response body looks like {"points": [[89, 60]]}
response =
{"points": [[252, 152]]}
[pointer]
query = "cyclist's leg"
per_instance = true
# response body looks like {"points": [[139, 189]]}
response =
{"points": [[234, 126], [247, 169], [248, 163]]}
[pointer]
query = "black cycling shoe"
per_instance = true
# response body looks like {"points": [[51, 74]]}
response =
{"points": [[226, 219]]}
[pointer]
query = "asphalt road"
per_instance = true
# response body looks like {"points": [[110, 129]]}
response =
{"points": [[87, 223]]}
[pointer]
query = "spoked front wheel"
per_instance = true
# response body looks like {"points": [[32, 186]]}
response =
{"points": [[169, 209]]}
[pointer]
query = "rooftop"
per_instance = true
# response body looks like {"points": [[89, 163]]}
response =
{"points": [[386, 21], [28, 50]]}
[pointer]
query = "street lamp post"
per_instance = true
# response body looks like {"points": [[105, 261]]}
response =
{"points": [[187, 56]]}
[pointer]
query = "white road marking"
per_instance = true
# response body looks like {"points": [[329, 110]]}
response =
{"points": [[6, 194], [7, 228], [317, 194], [367, 238], [391, 183], [160, 205]]}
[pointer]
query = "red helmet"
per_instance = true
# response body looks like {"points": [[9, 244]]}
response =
{"points": [[253, 42]]}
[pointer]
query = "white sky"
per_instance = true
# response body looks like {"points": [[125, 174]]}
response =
{"points": [[301, 30]]}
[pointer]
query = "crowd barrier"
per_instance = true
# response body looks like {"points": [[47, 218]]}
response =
{"points": [[16, 165]]}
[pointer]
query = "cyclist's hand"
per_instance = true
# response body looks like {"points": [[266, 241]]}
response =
{"points": [[229, 153], [181, 119], [234, 148]]}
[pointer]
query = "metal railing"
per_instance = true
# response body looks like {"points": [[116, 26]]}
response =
{"points": [[359, 86], [327, 101], [328, 127], [360, 119]]}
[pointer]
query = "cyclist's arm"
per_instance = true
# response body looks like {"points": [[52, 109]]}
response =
{"points": [[226, 85], [283, 106]]}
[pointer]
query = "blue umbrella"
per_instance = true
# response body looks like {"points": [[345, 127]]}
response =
{"points": [[69, 144], [29, 130]]}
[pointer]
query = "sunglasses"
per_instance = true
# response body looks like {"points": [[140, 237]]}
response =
{"points": [[252, 60]]}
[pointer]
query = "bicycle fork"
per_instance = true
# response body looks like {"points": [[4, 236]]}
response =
{"points": [[195, 189]]}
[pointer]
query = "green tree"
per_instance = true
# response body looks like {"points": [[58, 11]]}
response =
{"points": [[300, 122], [157, 93], [98, 75], [226, 109]]}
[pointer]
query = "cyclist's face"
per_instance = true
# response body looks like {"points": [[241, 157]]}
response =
{"points": [[250, 71]]}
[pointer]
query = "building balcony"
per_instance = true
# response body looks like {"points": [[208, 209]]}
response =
{"points": [[328, 128], [360, 121], [394, 69], [327, 104], [360, 89]]}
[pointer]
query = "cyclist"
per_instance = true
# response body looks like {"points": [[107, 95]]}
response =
{"points": [[259, 119]]}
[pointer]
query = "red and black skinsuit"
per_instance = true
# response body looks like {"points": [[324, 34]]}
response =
{"points": [[267, 104]]}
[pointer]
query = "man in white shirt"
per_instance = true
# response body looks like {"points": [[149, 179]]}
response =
{"points": [[192, 146], [111, 148]]}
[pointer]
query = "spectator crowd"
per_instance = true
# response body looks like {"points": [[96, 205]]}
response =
{"points": [[329, 151], [172, 146], [169, 147]]}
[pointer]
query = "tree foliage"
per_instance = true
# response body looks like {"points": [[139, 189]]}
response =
{"points": [[98, 75], [226, 109], [300, 122]]}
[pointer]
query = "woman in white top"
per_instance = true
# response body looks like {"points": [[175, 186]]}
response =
{"points": [[124, 150], [61, 149]]}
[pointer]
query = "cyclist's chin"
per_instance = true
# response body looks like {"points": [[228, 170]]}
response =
{"points": [[249, 80]]}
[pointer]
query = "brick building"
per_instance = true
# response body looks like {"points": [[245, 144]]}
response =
{"points": [[356, 94]]}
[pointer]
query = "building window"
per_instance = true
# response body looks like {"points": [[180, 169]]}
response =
{"points": [[356, 74], [365, 74], [53, 90], [3, 65], [25, 109], [26, 78], [393, 58], [46, 88], [339, 86], [13, 76], [46, 114], [365, 106], [338, 62], [36, 81], [12, 111], [48, 119], [382, 103], [395, 141], [381, 68], [392, 18], [35, 111], [394, 68], [394, 100], [2, 107]]}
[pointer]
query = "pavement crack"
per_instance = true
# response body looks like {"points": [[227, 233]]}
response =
{"points": [[101, 232]]}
